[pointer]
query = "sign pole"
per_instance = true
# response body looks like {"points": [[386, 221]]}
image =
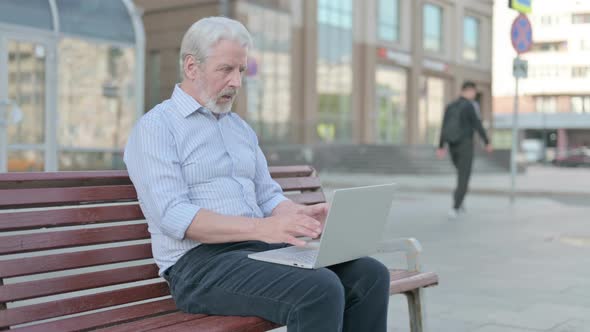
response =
{"points": [[514, 152], [521, 35]]}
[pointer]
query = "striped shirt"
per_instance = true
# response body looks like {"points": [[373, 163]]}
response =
{"points": [[181, 158]]}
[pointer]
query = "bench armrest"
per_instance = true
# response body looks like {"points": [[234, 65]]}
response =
{"points": [[410, 246]]}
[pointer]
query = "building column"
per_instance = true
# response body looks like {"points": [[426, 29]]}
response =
{"points": [[414, 73], [363, 70], [307, 72]]}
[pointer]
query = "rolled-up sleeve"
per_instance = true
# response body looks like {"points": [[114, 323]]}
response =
{"points": [[155, 170], [268, 192]]}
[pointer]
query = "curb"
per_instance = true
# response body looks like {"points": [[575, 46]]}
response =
{"points": [[475, 191]]}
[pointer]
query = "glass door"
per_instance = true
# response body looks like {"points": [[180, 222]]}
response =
{"points": [[390, 105], [24, 99]]}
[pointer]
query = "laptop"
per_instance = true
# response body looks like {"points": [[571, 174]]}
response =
{"points": [[353, 229]]}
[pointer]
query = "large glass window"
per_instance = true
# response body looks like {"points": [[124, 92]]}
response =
{"points": [[545, 104], [431, 108], [580, 71], [581, 18], [334, 72], [96, 105], [26, 66], [32, 13], [268, 79], [471, 35], [580, 104], [27, 90], [433, 28], [390, 112], [87, 18], [388, 20]]}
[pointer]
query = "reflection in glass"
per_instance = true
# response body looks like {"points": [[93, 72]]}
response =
{"points": [[470, 38], [431, 109], [268, 79], [86, 160], [390, 112], [26, 87], [334, 72], [87, 19], [25, 161], [31, 13], [388, 20], [96, 104], [432, 26]]}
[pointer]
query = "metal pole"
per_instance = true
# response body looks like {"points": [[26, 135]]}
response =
{"points": [[513, 155]]}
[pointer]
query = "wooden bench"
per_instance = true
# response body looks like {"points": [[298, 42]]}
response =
{"points": [[75, 256]]}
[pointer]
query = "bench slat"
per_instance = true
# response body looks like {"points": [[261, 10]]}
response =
{"points": [[63, 196], [45, 287], [35, 312], [289, 184], [402, 281], [221, 323], [54, 240], [290, 171], [22, 180], [155, 322], [308, 198], [16, 221], [57, 262], [111, 317]]}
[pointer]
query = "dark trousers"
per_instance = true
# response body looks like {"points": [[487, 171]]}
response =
{"points": [[462, 156], [218, 279]]}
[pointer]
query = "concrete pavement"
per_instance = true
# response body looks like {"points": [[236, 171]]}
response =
{"points": [[539, 181]]}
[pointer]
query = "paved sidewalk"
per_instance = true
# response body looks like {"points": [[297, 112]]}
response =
{"points": [[537, 181], [502, 268]]}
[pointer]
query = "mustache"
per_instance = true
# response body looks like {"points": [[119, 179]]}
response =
{"points": [[228, 92]]}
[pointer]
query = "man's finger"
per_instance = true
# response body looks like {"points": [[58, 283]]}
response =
{"points": [[295, 241], [299, 230]]}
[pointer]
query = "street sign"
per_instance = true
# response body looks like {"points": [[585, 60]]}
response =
{"points": [[523, 6], [520, 68], [521, 34]]}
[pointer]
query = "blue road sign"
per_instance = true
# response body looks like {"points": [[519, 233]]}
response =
{"points": [[521, 34]]}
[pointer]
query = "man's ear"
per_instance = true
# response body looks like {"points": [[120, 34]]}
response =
{"points": [[190, 67]]}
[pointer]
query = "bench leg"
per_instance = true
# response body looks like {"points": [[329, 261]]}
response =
{"points": [[415, 309]]}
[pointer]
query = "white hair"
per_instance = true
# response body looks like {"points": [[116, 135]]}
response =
{"points": [[206, 32]]}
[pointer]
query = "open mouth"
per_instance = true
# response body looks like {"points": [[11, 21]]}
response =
{"points": [[225, 98]]}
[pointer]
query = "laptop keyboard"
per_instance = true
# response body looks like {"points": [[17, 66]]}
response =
{"points": [[300, 256], [306, 257]]}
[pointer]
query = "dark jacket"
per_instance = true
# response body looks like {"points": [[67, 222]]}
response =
{"points": [[469, 121]]}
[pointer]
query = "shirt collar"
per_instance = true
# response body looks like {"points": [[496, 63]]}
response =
{"points": [[185, 104]]}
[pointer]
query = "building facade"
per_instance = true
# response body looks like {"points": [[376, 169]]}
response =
{"points": [[555, 98], [71, 83], [339, 71]]}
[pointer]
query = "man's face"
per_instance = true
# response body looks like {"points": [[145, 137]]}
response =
{"points": [[220, 76], [470, 93]]}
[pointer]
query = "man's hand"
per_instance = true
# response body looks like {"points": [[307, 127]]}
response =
{"points": [[489, 148], [286, 228], [318, 212], [441, 153]]}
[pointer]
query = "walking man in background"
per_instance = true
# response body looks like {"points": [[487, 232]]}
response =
{"points": [[460, 121]]}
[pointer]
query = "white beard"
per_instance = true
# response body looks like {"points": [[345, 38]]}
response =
{"points": [[215, 108]]}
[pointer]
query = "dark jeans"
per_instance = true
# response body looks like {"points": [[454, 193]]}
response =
{"points": [[219, 279], [462, 156]]}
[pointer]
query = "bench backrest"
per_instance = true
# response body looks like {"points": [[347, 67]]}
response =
{"points": [[73, 242]]}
